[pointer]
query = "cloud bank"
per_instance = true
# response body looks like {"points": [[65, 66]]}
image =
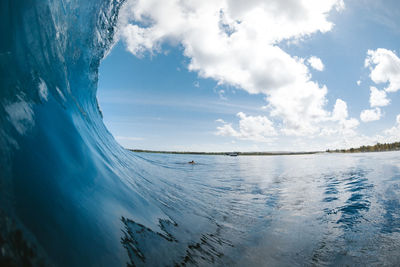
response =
{"points": [[254, 128], [237, 43]]}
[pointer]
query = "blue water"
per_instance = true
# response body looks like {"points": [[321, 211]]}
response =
{"points": [[325, 209], [71, 196]]}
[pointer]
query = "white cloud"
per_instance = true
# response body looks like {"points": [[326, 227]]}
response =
{"points": [[300, 107], [393, 134], [316, 63], [340, 112], [346, 126], [235, 43], [371, 115], [387, 136], [385, 68], [378, 98], [350, 124], [254, 128]]}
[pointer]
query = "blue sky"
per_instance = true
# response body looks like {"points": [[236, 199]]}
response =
{"points": [[223, 76]]}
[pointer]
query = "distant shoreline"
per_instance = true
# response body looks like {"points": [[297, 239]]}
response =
{"points": [[227, 153], [363, 149]]}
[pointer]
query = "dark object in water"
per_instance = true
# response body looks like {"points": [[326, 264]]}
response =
{"points": [[192, 162]]}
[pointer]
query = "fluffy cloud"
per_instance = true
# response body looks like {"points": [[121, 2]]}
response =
{"points": [[316, 63], [340, 110], [260, 128], [370, 115], [300, 107], [254, 128], [378, 98], [394, 132], [345, 125], [236, 43], [385, 67]]}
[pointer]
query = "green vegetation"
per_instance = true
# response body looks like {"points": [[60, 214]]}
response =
{"points": [[226, 153], [376, 148], [176, 152]]}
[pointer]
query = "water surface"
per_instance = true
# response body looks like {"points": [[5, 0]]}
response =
{"points": [[71, 196], [324, 209]]}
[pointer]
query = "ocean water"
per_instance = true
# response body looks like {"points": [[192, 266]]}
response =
{"points": [[303, 210], [71, 196]]}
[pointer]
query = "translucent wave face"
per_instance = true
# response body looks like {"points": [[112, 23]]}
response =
{"points": [[71, 196]]}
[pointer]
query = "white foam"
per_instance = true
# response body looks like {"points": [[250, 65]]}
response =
{"points": [[60, 93], [43, 91], [20, 115]]}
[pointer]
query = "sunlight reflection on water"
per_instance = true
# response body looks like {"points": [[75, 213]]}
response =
{"points": [[328, 209]]}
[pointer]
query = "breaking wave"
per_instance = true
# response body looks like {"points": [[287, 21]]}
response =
{"points": [[71, 196]]}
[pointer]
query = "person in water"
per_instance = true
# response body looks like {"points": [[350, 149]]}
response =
{"points": [[192, 162]]}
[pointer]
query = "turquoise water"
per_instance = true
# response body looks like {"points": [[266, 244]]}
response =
{"points": [[71, 196]]}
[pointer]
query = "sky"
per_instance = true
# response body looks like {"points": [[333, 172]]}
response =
{"points": [[235, 75]]}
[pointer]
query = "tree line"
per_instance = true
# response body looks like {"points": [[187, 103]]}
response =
{"points": [[375, 148]]}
